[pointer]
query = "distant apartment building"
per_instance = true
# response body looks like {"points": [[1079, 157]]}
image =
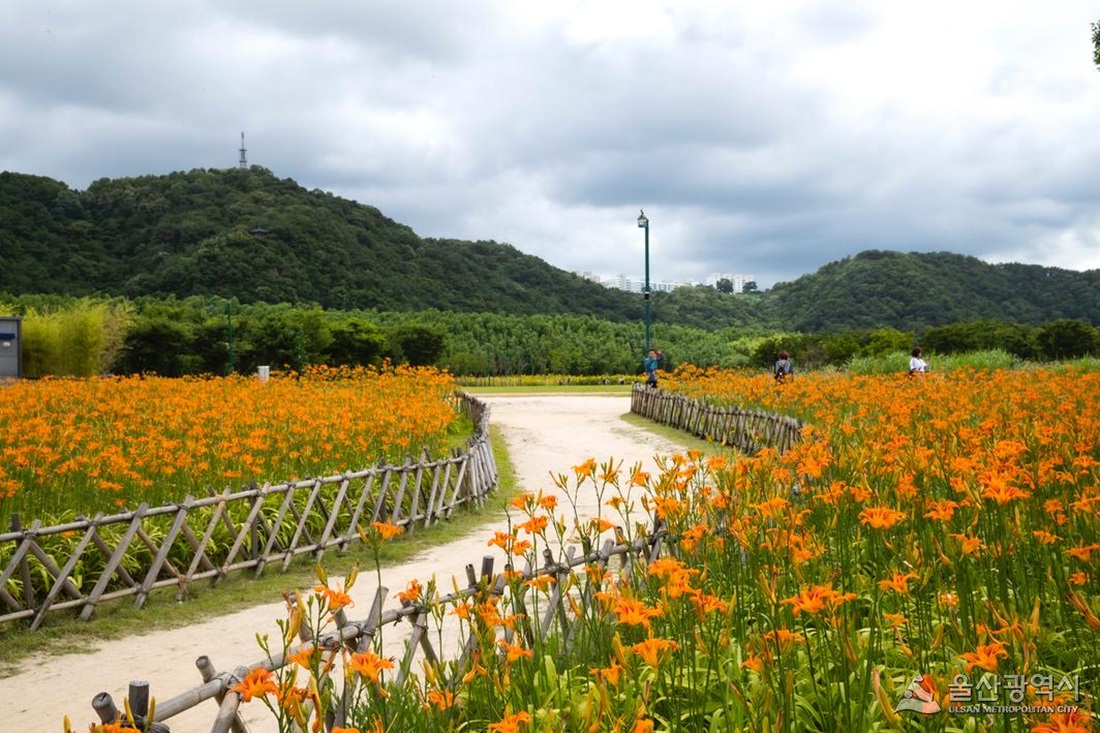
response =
{"points": [[739, 281], [637, 285]]}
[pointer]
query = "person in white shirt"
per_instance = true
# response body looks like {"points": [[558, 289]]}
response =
{"points": [[917, 365]]}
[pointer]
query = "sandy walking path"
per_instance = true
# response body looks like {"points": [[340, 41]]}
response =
{"points": [[545, 435]]}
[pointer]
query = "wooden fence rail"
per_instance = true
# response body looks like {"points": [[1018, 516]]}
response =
{"points": [[211, 537], [747, 430], [358, 635]]}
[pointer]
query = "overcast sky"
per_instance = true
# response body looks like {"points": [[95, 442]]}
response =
{"points": [[761, 138]]}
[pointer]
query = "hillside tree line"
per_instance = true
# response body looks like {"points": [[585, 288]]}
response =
{"points": [[201, 335]]}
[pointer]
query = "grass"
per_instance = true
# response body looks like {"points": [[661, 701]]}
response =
{"points": [[679, 437], [557, 389]]}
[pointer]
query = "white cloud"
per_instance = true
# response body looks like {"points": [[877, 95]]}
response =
{"points": [[767, 138]]}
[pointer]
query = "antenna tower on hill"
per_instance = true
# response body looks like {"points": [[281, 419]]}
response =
{"points": [[244, 160]]}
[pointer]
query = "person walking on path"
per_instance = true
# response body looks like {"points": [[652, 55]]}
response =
{"points": [[652, 362]]}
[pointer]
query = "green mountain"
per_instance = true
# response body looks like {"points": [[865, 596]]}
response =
{"points": [[914, 291], [248, 235]]}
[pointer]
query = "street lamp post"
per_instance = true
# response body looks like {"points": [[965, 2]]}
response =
{"points": [[643, 223], [229, 336]]}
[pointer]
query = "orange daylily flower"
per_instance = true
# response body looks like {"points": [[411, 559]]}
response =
{"points": [[969, 545], [880, 517], [541, 582], [816, 599], [773, 507], [441, 699], [412, 592], [1076, 721], [387, 531], [334, 599], [515, 652], [899, 582], [370, 665], [652, 650], [511, 723], [609, 674], [985, 656], [585, 470], [784, 639], [534, 525], [942, 510], [634, 613], [257, 683]]}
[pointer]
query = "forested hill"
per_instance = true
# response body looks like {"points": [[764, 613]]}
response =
{"points": [[913, 291], [249, 235]]}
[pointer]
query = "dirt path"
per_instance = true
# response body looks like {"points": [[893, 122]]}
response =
{"points": [[545, 434]]}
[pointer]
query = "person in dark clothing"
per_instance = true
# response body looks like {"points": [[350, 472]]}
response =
{"points": [[652, 362], [783, 369]]}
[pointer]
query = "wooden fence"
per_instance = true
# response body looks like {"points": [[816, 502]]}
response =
{"points": [[746, 430], [208, 538], [358, 635]]}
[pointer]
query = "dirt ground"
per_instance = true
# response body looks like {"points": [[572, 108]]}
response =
{"points": [[545, 434]]}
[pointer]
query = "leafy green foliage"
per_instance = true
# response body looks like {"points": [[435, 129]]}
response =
{"points": [[702, 306], [1016, 339], [913, 292], [174, 337], [418, 344], [80, 339], [355, 340], [1067, 339], [1096, 44], [248, 235]]}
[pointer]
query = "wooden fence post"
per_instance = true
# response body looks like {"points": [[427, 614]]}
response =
{"points": [[207, 671]]}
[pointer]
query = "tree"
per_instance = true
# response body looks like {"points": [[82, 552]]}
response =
{"points": [[750, 287], [724, 285], [1096, 44], [1066, 339], [419, 344], [355, 342], [882, 341], [282, 336], [157, 345], [957, 338]]}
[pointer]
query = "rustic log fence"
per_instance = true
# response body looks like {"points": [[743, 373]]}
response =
{"points": [[209, 538], [359, 635], [746, 430]]}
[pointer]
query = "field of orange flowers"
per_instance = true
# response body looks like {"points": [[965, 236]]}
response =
{"points": [[88, 445], [926, 559]]}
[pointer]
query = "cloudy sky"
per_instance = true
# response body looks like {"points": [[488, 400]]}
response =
{"points": [[761, 138]]}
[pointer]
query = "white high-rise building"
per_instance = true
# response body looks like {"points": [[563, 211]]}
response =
{"points": [[738, 281], [637, 285]]}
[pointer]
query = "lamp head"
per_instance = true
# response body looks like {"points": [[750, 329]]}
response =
{"points": [[643, 222]]}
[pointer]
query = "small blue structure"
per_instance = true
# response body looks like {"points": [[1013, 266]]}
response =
{"points": [[11, 347]]}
